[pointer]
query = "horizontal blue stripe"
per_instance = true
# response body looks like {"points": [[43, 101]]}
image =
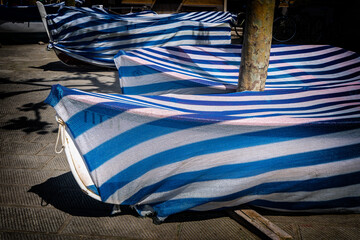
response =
{"points": [[93, 54], [309, 185], [130, 44], [260, 102], [226, 117], [305, 59], [319, 73], [292, 111], [105, 19], [191, 69], [250, 169], [191, 57], [169, 207], [143, 70], [332, 78], [207, 115], [146, 69], [151, 88], [206, 72], [301, 84], [119, 36], [301, 51], [230, 50], [70, 14], [213, 146], [315, 66], [237, 49], [133, 137], [342, 203]]}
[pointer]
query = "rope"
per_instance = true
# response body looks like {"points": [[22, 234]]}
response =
{"points": [[61, 135]]}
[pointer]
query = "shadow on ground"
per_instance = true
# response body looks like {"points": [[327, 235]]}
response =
{"points": [[90, 73], [59, 66], [29, 125], [63, 193], [10, 88]]}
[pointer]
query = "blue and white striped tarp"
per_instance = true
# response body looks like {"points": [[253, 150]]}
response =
{"points": [[96, 37], [215, 69], [295, 147]]}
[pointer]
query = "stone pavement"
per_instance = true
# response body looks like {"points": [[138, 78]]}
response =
{"points": [[39, 197]]}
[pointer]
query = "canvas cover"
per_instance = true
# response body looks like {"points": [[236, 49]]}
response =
{"points": [[94, 36], [215, 69], [288, 149]]}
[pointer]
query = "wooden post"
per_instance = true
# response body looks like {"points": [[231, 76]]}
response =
{"points": [[256, 45]]}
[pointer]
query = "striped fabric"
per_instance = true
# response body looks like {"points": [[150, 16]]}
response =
{"points": [[293, 147], [215, 69], [95, 37]]}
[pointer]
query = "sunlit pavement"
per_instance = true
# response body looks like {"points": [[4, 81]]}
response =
{"points": [[39, 197]]}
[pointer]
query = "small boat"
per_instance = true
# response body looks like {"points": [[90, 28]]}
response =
{"points": [[294, 147], [94, 37]]}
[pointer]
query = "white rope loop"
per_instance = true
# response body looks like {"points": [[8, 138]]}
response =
{"points": [[61, 135]]}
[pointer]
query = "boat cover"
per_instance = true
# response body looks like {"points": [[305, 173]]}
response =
{"points": [[215, 69], [95, 37], [293, 147]]}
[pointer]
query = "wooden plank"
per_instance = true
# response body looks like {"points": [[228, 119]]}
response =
{"points": [[260, 223]]}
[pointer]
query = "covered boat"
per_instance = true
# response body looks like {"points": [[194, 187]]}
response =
{"points": [[294, 147], [215, 69], [95, 37]]}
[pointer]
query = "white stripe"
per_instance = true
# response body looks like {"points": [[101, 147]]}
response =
{"points": [[133, 32], [304, 55], [163, 143], [244, 99], [231, 186], [321, 195], [243, 155]]}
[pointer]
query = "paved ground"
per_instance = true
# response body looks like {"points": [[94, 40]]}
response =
{"points": [[39, 198]]}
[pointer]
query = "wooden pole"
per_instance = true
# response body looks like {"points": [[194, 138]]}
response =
{"points": [[256, 45]]}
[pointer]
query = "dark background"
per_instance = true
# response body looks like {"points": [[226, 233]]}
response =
{"points": [[331, 22], [321, 21]]}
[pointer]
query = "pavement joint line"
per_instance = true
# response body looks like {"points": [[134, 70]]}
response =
{"points": [[17, 168], [178, 230], [65, 224], [47, 162], [49, 206], [36, 154], [77, 236], [32, 140]]}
